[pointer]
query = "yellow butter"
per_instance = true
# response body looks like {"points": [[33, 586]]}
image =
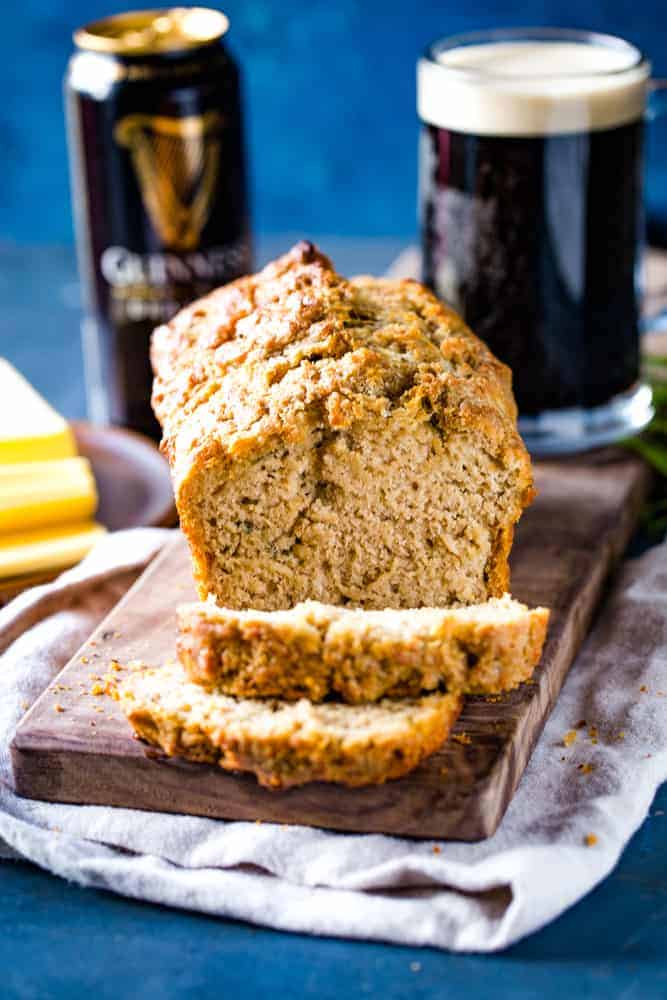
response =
{"points": [[30, 429], [46, 548], [36, 494]]}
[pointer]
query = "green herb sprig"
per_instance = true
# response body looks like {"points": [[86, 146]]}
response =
{"points": [[652, 446]]}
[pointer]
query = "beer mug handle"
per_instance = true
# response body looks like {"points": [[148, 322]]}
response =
{"points": [[657, 99], [657, 107]]}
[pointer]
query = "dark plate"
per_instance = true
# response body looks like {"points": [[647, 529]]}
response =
{"points": [[132, 477]]}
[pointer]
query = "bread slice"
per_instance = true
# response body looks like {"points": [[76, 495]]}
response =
{"points": [[346, 441], [283, 743], [317, 650]]}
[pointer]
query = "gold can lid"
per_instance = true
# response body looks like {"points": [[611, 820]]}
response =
{"points": [[149, 32]]}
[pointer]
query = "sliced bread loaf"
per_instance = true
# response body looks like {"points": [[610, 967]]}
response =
{"points": [[315, 650], [283, 743], [351, 442]]}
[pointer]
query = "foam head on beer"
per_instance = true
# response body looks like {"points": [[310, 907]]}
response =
{"points": [[529, 87]]}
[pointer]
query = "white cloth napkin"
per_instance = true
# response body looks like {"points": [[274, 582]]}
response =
{"points": [[467, 897]]}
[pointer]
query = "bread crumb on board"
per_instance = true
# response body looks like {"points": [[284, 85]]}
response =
{"points": [[570, 737]]}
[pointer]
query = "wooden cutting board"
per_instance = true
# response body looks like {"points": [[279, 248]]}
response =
{"points": [[75, 746]]}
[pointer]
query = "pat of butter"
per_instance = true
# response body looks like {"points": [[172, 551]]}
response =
{"points": [[30, 429], [36, 494], [46, 549]]}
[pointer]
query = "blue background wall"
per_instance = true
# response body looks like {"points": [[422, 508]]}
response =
{"points": [[329, 95]]}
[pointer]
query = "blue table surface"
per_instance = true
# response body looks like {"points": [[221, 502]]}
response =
{"points": [[57, 940]]}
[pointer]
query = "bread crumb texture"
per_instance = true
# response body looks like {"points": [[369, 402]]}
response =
{"points": [[283, 743], [346, 441]]}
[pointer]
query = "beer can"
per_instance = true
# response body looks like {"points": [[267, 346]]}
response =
{"points": [[158, 188]]}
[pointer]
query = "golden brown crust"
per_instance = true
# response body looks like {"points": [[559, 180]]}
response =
{"points": [[316, 651], [236, 368], [283, 743], [274, 358]]}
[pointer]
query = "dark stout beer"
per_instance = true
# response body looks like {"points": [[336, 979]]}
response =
{"points": [[531, 195], [158, 185], [536, 241]]}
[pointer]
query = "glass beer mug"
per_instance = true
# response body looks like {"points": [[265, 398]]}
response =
{"points": [[531, 169]]}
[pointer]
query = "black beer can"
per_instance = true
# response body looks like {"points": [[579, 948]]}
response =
{"points": [[158, 187]]}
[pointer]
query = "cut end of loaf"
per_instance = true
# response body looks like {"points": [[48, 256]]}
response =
{"points": [[387, 513]]}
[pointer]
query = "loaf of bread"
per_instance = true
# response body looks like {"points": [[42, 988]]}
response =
{"points": [[283, 743], [316, 650], [350, 442]]}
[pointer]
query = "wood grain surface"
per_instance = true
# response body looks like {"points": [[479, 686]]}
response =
{"points": [[75, 745]]}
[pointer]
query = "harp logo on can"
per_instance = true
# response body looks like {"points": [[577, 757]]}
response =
{"points": [[177, 165]]}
